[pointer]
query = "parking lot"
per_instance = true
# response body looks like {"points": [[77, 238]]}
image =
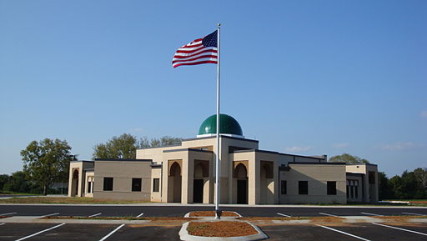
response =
{"points": [[37, 229]]}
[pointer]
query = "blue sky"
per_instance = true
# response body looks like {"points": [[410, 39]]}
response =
{"points": [[303, 77]]}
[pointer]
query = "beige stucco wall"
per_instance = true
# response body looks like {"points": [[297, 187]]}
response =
{"points": [[123, 172], [317, 176], [77, 186], [370, 191], [156, 196]]}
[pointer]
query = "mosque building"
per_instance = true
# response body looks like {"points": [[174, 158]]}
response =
{"points": [[185, 174]]}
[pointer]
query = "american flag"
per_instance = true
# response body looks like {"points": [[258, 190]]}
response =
{"points": [[200, 51]]}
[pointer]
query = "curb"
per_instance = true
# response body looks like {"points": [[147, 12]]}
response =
{"points": [[184, 235]]}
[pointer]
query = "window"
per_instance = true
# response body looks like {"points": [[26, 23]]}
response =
{"points": [[356, 189], [352, 189], [156, 184], [283, 187], [303, 187], [108, 184], [371, 177], [90, 185], [332, 188], [136, 184]]}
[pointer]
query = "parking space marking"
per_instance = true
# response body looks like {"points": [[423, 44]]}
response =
{"points": [[284, 215], [2, 224], [339, 231], [418, 214], [5, 214], [94, 215], [402, 229], [140, 215], [372, 214], [47, 215], [112, 232], [35, 234], [331, 215]]}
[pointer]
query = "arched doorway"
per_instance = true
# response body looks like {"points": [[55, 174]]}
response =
{"points": [[175, 180], [241, 176], [75, 183], [201, 176]]}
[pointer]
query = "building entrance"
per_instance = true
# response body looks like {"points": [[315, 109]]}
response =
{"points": [[242, 191], [198, 191]]}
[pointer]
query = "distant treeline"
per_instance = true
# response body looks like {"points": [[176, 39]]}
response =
{"points": [[410, 185], [18, 182]]}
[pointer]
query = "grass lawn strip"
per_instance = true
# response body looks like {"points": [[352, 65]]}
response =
{"points": [[220, 229]]}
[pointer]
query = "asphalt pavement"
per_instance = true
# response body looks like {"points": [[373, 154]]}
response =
{"points": [[37, 229]]}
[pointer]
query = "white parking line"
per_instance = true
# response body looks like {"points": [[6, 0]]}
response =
{"points": [[339, 231], [372, 214], [418, 214], [5, 214], [327, 214], [402, 229], [32, 235], [112, 232], [2, 224], [140, 215], [94, 215], [284, 215], [47, 215]]}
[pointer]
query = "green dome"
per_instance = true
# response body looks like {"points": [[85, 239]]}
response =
{"points": [[228, 125]]}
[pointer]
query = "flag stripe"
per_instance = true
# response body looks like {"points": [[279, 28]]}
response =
{"points": [[203, 50], [200, 62], [200, 51], [203, 57]]}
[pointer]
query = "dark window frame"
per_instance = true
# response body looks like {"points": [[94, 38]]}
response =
{"points": [[283, 187], [108, 184], [156, 184], [303, 187], [331, 187], [136, 184]]}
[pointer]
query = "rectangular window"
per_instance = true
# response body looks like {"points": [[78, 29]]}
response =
{"points": [[108, 184], [371, 177], [136, 184], [156, 184], [283, 187], [303, 187], [332, 188], [356, 189], [89, 187]]}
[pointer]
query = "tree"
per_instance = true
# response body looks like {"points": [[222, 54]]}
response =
{"points": [[3, 180], [164, 141], [47, 161], [409, 185], [349, 159], [421, 176], [385, 191], [18, 183], [124, 146], [120, 147]]}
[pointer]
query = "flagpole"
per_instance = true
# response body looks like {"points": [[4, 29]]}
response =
{"points": [[218, 148]]}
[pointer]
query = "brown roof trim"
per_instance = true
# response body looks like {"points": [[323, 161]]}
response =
{"points": [[222, 136], [188, 149], [318, 163], [126, 160]]}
